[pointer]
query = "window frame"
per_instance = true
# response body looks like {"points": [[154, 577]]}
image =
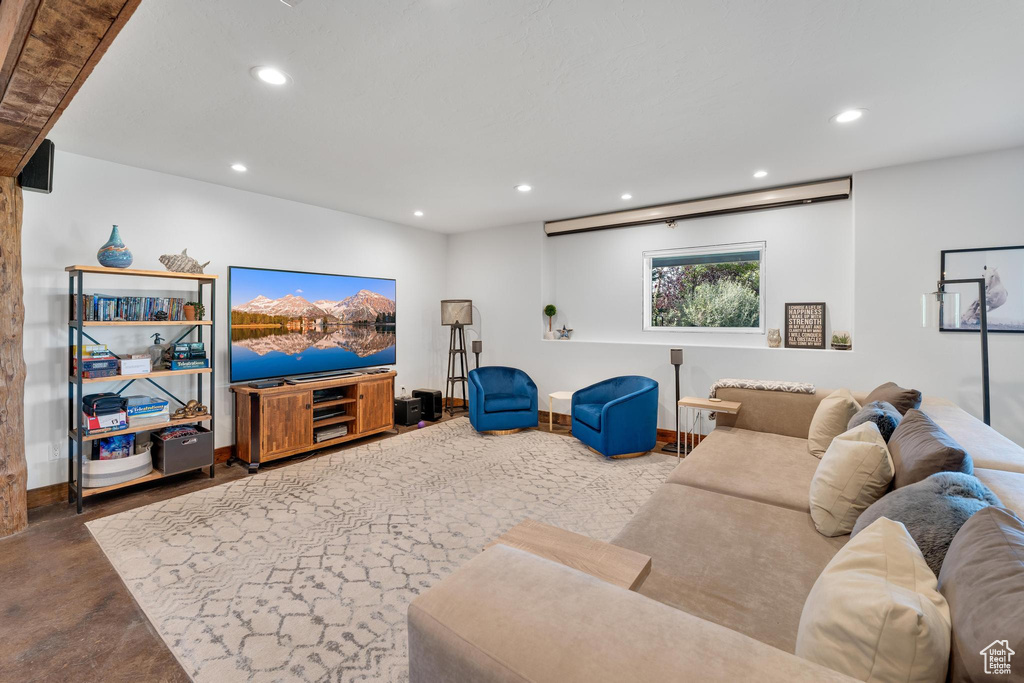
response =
{"points": [[737, 247]]}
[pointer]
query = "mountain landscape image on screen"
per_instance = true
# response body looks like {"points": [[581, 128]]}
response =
{"points": [[275, 333]]}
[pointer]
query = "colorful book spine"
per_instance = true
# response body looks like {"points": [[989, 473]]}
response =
{"points": [[190, 364]]}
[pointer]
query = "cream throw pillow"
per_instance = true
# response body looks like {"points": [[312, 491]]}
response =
{"points": [[830, 420], [854, 472], [875, 612]]}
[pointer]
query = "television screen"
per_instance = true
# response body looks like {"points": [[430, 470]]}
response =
{"points": [[293, 323]]}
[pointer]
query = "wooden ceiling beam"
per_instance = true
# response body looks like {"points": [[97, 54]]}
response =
{"points": [[61, 41]]}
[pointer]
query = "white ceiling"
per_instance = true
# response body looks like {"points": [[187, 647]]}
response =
{"points": [[445, 105]]}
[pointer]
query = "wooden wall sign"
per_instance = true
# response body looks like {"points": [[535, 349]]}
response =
{"points": [[805, 326]]}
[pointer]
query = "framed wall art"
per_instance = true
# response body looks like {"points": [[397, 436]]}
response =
{"points": [[805, 325], [1003, 270]]}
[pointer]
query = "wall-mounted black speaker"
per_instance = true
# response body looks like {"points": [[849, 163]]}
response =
{"points": [[37, 175]]}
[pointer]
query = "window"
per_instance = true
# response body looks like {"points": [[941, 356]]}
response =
{"points": [[716, 288]]}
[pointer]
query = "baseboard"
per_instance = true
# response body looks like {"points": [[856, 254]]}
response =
{"points": [[223, 454], [47, 495]]}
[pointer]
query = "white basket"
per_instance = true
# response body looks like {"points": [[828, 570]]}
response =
{"points": [[97, 473]]}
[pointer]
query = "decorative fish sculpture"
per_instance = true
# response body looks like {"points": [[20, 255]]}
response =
{"points": [[182, 263]]}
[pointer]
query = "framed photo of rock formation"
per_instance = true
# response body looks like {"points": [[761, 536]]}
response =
{"points": [[1003, 270], [805, 325]]}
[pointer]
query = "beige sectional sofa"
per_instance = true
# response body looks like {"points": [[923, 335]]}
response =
{"points": [[734, 555]]}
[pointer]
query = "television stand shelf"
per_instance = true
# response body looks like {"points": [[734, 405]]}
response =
{"points": [[277, 422]]}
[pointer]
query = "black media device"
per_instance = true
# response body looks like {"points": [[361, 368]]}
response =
{"points": [[431, 405], [266, 384], [407, 411], [37, 175]]}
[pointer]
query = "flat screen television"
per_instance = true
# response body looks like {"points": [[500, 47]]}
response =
{"points": [[286, 323]]}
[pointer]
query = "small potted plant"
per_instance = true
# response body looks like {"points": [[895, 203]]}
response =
{"points": [[550, 312], [841, 341], [194, 310]]}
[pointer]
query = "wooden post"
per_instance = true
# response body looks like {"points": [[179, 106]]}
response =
{"points": [[13, 477]]}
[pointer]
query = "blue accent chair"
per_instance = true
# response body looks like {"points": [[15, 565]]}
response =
{"points": [[501, 398], [618, 416]]}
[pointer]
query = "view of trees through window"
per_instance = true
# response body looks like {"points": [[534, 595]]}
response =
{"points": [[698, 288]]}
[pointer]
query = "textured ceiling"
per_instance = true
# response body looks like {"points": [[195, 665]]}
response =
{"points": [[445, 105]]}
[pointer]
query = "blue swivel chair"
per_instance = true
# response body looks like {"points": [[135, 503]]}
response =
{"points": [[618, 417], [501, 400]]}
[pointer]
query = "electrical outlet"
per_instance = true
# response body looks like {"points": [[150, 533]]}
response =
{"points": [[55, 452]]}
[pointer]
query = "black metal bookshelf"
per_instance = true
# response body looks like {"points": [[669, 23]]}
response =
{"points": [[77, 337]]}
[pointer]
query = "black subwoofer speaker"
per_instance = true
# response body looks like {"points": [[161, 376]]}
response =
{"points": [[407, 411], [431, 402]]}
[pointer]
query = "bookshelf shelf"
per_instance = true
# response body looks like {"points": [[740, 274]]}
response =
{"points": [[138, 323], [126, 378], [195, 330]]}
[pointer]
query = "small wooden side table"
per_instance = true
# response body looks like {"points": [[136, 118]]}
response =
{"points": [[622, 567], [698, 406], [556, 396]]}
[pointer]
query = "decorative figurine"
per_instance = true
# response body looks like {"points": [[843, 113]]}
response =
{"points": [[774, 338], [182, 263], [191, 409], [114, 254], [564, 333]]}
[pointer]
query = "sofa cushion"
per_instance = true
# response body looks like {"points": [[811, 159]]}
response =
{"points": [[854, 472], [768, 468], [900, 398], [983, 580], [875, 613], [589, 414], [501, 403], [920, 448], [1007, 486], [988, 448], [742, 564], [882, 414], [932, 510], [830, 420]]}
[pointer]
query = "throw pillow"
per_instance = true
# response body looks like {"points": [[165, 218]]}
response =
{"points": [[932, 510], [900, 398], [883, 414], [830, 420], [920, 448], [984, 585], [854, 472], [875, 613]]}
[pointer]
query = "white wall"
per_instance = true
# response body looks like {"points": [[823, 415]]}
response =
{"points": [[898, 221], [160, 214]]}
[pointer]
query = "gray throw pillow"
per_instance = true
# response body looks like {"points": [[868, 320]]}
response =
{"points": [[920, 448], [883, 414], [933, 510]]}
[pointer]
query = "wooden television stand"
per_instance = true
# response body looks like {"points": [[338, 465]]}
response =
{"points": [[280, 421]]}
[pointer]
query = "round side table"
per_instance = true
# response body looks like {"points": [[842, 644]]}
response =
{"points": [[556, 396]]}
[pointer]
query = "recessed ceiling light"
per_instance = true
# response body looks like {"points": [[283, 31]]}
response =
{"points": [[848, 116], [523, 188], [269, 74], [418, 214], [239, 167], [760, 174], [627, 196]]}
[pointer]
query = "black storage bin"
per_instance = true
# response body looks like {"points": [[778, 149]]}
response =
{"points": [[183, 453]]}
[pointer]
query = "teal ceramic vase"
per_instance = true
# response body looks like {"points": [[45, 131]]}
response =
{"points": [[114, 254]]}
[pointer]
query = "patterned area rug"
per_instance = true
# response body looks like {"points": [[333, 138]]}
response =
{"points": [[305, 573]]}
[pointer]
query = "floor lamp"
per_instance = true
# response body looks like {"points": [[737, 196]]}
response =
{"points": [[676, 358], [983, 321], [456, 313]]}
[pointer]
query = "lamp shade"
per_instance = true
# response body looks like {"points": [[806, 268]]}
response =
{"points": [[456, 312], [941, 309]]}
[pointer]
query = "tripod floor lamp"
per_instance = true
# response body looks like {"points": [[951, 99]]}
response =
{"points": [[942, 299], [456, 314]]}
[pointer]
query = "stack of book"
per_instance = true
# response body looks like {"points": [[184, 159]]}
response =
{"points": [[147, 410], [97, 361], [108, 307]]}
